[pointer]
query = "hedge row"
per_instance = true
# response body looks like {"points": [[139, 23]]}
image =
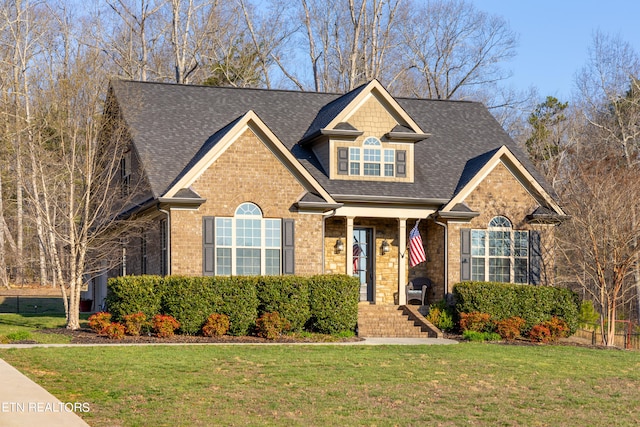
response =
{"points": [[535, 304], [323, 303]]}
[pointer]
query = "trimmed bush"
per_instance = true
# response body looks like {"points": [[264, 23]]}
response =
{"points": [[271, 325], [333, 301], [98, 322], [190, 300], [475, 321], [535, 304], [236, 297], [164, 325], [540, 333], [287, 295], [511, 328], [134, 323], [133, 294], [216, 325], [114, 331]]}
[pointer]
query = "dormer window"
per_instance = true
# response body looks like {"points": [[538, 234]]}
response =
{"points": [[371, 159]]}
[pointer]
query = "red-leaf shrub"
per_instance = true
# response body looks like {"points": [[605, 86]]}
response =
{"points": [[558, 328], [540, 333], [475, 321], [114, 331], [134, 323], [99, 321], [271, 325], [216, 325], [165, 326], [511, 328]]}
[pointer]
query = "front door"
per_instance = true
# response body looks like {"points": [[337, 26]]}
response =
{"points": [[363, 257]]}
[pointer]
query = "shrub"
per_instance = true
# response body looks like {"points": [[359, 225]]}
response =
{"points": [[440, 316], [534, 304], [287, 295], [134, 323], [480, 336], [98, 322], [511, 328], [271, 325], [475, 321], [133, 294], [189, 300], [164, 325], [540, 333], [333, 301], [114, 331], [558, 328], [236, 297], [216, 325]]}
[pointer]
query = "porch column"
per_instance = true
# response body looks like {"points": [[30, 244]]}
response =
{"points": [[402, 263], [349, 247]]}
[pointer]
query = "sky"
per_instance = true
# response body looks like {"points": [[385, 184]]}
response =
{"points": [[555, 35]]}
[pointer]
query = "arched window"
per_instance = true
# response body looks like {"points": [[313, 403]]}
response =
{"points": [[499, 253], [248, 243], [371, 159]]}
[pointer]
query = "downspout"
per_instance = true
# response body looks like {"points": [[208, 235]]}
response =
{"points": [[446, 257], [168, 214]]}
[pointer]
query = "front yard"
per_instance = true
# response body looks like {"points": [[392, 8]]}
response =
{"points": [[465, 384]]}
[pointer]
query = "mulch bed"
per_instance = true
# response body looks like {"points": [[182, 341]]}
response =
{"points": [[87, 336]]}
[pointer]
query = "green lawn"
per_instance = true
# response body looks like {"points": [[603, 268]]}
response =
{"points": [[27, 326], [465, 384]]}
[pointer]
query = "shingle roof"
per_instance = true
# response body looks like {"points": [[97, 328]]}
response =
{"points": [[172, 125]]}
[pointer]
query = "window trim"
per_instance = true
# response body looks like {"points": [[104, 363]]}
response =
{"points": [[484, 250], [247, 211], [359, 159]]}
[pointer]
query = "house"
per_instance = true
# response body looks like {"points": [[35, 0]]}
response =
{"points": [[250, 181]]}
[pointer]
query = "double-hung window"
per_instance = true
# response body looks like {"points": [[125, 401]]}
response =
{"points": [[499, 253], [247, 243], [371, 159]]}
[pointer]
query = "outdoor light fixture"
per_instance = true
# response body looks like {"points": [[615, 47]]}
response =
{"points": [[385, 248], [339, 246]]}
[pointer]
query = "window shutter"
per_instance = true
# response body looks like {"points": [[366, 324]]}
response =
{"points": [[535, 257], [343, 161], [208, 246], [401, 163], [465, 254], [288, 246]]}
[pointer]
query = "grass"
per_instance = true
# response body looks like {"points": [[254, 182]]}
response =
{"points": [[14, 327], [465, 384]]}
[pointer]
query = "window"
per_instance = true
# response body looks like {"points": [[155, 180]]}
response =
{"points": [[125, 173], [499, 253], [247, 244], [143, 252], [371, 159]]}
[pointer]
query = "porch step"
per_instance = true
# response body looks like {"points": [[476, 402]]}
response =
{"points": [[394, 321]]}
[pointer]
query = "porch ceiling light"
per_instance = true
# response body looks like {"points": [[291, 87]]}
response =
{"points": [[339, 246], [385, 248]]}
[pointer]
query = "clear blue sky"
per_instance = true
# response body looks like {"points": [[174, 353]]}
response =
{"points": [[554, 37]]}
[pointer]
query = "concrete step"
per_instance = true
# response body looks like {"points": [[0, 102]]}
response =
{"points": [[393, 321]]}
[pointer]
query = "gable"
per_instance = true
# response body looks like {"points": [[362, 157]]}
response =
{"points": [[220, 143], [497, 179]]}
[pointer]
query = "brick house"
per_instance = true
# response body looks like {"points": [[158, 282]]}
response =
{"points": [[248, 181]]}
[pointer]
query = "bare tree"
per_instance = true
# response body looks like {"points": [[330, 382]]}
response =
{"points": [[453, 50], [609, 98]]}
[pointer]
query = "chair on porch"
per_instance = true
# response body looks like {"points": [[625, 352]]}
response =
{"points": [[417, 289]]}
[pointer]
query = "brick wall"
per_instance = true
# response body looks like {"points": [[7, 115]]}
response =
{"points": [[500, 193], [246, 172]]}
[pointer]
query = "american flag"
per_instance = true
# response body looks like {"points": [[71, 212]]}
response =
{"points": [[416, 250], [357, 250]]}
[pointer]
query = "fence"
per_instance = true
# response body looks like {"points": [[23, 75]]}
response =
{"points": [[31, 304], [626, 340]]}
